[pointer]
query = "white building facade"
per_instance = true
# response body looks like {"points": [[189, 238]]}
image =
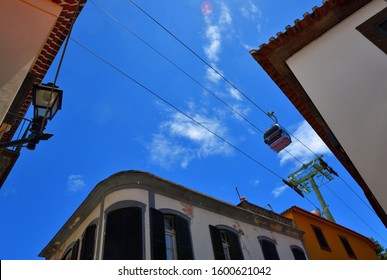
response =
{"points": [[137, 215]]}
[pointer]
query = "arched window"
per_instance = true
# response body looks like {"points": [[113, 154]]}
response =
{"points": [[124, 234], [71, 252], [225, 243], [298, 253], [88, 243], [170, 235], [269, 248]]}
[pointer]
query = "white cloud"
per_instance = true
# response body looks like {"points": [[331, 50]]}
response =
{"points": [[180, 141], [310, 139], [214, 33], [212, 75], [75, 183], [213, 48], [235, 94], [250, 11], [279, 190]]}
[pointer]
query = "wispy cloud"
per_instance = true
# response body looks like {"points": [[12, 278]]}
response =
{"points": [[214, 33], [309, 138], [75, 183], [250, 11], [180, 140], [279, 190]]}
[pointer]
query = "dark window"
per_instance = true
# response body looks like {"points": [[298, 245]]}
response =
{"points": [[88, 243], [72, 252], [298, 253], [375, 30], [347, 247], [225, 244], [383, 26], [269, 249], [321, 238], [158, 249], [170, 236], [123, 237]]}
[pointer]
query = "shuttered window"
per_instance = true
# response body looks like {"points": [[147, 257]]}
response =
{"points": [[225, 244], [71, 253], [158, 249], [123, 236], [269, 249], [321, 238], [88, 243], [179, 235], [347, 247], [298, 253]]}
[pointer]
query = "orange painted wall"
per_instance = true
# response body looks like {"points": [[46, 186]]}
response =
{"points": [[361, 246]]}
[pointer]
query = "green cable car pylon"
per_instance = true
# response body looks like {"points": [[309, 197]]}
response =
{"points": [[304, 179]]}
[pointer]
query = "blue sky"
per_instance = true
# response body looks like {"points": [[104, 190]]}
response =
{"points": [[109, 124]]}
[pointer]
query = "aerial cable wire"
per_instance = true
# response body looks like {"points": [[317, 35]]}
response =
{"points": [[354, 212], [177, 109], [233, 86], [206, 88], [185, 73], [76, 11], [213, 69], [183, 113]]}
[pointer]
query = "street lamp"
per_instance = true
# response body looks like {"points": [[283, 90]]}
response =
{"points": [[47, 100]]}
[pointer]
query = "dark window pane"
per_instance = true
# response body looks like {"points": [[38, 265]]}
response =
{"points": [[321, 238], [298, 254], [235, 247], [158, 250], [88, 243], [74, 254], [347, 247], [183, 236], [269, 250], [123, 239], [217, 243]]}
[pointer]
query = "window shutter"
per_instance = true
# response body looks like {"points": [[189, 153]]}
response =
{"points": [[298, 254], [183, 239], [158, 250], [216, 243], [123, 239], [235, 246], [74, 253], [88, 243], [269, 250]]}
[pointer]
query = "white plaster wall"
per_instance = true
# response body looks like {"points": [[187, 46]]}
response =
{"points": [[201, 238], [77, 234], [345, 75]]}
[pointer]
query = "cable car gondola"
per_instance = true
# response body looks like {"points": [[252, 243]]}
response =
{"points": [[276, 137]]}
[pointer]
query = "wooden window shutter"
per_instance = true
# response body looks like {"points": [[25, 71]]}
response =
{"points": [[74, 253], [123, 239], [158, 250], [183, 239], [216, 243], [88, 243], [235, 247]]}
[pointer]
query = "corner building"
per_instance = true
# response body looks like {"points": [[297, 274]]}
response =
{"points": [[137, 215]]}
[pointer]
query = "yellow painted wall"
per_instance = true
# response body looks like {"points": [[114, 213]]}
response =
{"points": [[362, 248]]}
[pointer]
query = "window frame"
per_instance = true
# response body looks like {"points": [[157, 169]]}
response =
{"points": [[121, 205], [349, 250], [82, 245], [324, 240], [266, 240], [294, 248], [372, 30], [184, 244]]}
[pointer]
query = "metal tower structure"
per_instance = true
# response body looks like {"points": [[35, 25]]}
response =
{"points": [[304, 179]]}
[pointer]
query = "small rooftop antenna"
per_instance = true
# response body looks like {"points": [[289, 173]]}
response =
{"points": [[241, 198]]}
